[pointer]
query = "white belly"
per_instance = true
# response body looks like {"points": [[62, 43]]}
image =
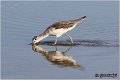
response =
{"points": [[59, 32]]}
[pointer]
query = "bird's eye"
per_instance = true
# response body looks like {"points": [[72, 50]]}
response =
{"points": [[35, 38]]}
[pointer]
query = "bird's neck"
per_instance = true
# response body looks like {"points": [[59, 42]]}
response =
{"points": [[42, 36]]}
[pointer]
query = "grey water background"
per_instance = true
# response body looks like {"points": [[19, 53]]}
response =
{"points": [[21, 21]]}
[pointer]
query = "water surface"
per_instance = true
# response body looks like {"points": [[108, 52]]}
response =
{"points": [[96, 40]]}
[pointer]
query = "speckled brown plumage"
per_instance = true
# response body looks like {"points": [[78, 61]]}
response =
{"points": [[65, 24], [62, 24]]}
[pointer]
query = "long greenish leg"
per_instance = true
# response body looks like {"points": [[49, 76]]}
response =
{"points": [[56, 48], [55, 41], [69, 38]]}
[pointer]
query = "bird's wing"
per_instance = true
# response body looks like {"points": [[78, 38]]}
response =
{"points": [[62, 24]]}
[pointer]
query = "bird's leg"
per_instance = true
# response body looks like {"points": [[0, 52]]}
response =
{"points": [[56, 48], [67, 49], [69, 38], [55, 41]]}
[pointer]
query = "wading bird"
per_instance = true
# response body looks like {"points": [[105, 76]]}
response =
{"points": [[58, 29]]}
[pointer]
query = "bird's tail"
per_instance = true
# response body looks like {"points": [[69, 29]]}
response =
{"points": [[79, 20], [83, 17]]}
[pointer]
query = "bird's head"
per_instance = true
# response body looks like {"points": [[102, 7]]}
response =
{"points": [[38, 38], [35, 40]]}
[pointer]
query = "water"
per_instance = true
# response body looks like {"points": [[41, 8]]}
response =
{"points": [[96, 40]]}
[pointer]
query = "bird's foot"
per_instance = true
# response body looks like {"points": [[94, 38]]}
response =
{"points": [[53, 44]]}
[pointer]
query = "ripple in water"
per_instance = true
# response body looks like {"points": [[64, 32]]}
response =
{"points": [[86, 43]]}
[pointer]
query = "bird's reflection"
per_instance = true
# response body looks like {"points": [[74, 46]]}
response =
{"points": [[57, 57]]}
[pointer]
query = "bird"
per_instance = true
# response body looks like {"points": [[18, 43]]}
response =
{"points": [[57, 29]]}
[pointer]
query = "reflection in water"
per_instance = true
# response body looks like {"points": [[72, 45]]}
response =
{"points": [[57, 57]]}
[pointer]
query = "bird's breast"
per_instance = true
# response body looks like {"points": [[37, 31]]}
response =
{"points": [[60, 31]]}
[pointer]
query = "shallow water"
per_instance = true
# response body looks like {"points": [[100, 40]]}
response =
{"points": [[95, 49]]}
